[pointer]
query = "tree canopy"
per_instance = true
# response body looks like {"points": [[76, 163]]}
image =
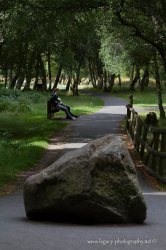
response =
{"points": [[98, 38]]}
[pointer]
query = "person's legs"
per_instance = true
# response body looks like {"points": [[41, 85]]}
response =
{"points": [[66, 110], [76, 116]]}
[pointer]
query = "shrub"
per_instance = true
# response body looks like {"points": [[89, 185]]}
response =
{"points": [[5, 136], [14, 101], [9, 93], [4, 105], [35, 97], [19, 107]]}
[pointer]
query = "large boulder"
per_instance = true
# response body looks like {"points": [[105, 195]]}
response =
{"points": [[94, 184]]}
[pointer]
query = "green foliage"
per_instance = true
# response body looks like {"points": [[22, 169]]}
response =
{"points": [[16, 101], [5, 135], [10, 94], [4, 105], [113, 54], [14, 106]]}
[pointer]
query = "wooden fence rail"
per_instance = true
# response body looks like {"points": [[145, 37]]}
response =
{"points": [[149, 141]]}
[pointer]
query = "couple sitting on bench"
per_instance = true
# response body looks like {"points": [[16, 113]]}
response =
{"points": [[58, 105]]}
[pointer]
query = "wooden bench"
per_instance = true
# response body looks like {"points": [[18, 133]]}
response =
{"points": [[51, 110]]}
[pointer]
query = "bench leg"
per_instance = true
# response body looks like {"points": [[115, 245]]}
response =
{"points": [[50, 115]]}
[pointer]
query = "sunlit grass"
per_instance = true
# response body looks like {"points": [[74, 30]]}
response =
{"points": [[83, 104], [146, 98], [18, 156]]}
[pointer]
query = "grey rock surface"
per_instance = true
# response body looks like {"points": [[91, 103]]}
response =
{"points": [[94, 184]]}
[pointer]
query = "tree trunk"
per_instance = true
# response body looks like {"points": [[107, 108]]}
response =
{"points": [[58, 76], [6, 77], [100, 82], [159, 91], [100, 73], [105, 87], [120, 80], [49, 70], [132, 73], [92, 75], [136, 78], [43, 73], [29, 68], [44, 79], [13, 81], [27, 82], [10, 76], [28, 79], [20, 81], [68, 83], [163, 56], [37, 74], [111, 82], [145, 79], [76, 80]]}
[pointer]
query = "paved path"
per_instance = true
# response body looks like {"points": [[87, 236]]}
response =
{"points": [[19, 233]]}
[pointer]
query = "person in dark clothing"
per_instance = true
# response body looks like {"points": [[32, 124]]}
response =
{"points": [[58, 104]]}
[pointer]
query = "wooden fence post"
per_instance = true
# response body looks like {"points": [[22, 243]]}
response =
{"points": [[152, 160], [128, 117], [131, 100], [162, 162], [137, 134], [143, 140]]}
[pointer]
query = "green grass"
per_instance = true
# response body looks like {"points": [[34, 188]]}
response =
{"points": [[24, 135], [146, 98], [83, 104]]}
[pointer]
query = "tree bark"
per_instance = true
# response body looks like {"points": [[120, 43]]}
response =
{"points": [[92, 75], [37, 74], [120, 80], [58, 76], [6, 77], [76, 80], [111, 82], [49, 70], [145, 79], [29, 68], [20, 81], [13, 81], [100, 82], [28, 82], [43, 73], [100, 73], [136, 78], [105, 87], [68, 83], [159, 91], [10, 76], [132, 73]]}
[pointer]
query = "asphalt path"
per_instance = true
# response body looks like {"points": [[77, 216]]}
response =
{"points": [[19, 233]]}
